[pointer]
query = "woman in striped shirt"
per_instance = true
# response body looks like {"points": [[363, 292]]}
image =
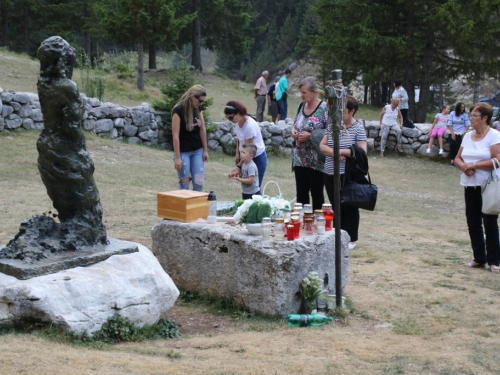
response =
{"points": [[354, 133]]}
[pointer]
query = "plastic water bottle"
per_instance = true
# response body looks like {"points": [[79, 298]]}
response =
{"points": [[212, 208], [306, 320]]}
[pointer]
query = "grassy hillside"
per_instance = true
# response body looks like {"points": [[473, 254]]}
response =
{"points": [[19, 72]]}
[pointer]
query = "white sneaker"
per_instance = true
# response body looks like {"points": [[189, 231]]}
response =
{"points": [[352, 245], [441, 151], [428, 151]]}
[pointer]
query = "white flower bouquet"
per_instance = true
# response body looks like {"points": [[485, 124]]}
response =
{"points": [[253, 210]]}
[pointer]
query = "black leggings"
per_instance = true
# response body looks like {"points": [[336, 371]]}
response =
{"points": [[309, 180], [349, 216]]}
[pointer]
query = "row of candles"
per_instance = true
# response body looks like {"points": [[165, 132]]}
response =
{"points": [[318, 221]]}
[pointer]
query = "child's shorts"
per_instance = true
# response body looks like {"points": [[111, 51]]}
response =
{"points": [[438, 132]]}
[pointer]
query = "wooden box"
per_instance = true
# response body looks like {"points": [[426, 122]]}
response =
{"points": [[182, 205]]}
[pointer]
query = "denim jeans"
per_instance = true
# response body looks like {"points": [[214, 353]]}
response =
{"points": [[193, 167], [261, 163], [283, 107], [476, 220]]}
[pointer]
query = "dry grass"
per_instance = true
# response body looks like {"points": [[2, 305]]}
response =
{"points": [[406, 271]]}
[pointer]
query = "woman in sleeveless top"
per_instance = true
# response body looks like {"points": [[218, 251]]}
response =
{"points": [[388, 121]]}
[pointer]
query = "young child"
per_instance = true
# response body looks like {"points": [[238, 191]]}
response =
{"points": [[438, 128], [249, 173]]}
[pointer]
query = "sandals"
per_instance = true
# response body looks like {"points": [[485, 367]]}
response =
{"points": [[474, 264], [494, 269], [381, 154], [400, 149]]}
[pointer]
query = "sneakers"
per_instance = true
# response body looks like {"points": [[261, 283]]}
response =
{"points": [[441, 151], [352, 245], [452, 165], [428, 151]]}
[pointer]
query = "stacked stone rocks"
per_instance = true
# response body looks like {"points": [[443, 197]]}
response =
{"points": [[415, 141], [142, 125], [135, 124]]}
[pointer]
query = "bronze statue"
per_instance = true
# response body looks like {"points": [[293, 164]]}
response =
{"points": [[65, 166]]}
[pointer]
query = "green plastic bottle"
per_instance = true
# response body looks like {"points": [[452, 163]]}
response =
{"points": [[305, 320]]}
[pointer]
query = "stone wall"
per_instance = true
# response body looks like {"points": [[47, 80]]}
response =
{"points": [[143, 125]]}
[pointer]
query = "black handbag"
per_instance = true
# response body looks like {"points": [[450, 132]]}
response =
{"points": [[359, 195]]}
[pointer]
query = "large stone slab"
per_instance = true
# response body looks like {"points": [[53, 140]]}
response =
{"points": [[85, 256], [83, 298], [223, 260]]}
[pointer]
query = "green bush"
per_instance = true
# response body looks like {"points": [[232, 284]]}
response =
{"points": [[181, 79], [93, 82], [121, 329]]}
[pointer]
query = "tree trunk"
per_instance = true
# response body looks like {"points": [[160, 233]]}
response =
{"points": [[409, 75], [385, 92], [365, 96], [5, 25], [86, 34], [378, 102], [196, 43], [372, 94], [26, 11], [477, 87], [140, 64], [152, 56], [425, 87]]}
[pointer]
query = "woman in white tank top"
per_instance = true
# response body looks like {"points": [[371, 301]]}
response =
{"points": [[388, 121]]}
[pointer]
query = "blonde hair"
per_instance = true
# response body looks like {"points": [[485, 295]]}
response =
{"points": [[395, 101], [187, 104]]}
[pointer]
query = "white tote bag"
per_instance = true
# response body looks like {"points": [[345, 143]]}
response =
{"points": [[491, 191]]}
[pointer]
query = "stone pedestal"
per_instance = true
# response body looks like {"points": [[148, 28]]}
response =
{"points": [[226, 261], [81, 299]]}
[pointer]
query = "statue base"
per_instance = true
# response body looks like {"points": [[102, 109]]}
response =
{"points": [[84, 256]]}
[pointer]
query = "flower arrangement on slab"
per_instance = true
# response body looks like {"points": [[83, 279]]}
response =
{"points": [[310, 289], [251, 211]]}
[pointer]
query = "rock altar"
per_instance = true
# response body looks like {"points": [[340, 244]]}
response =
{"points": [[261, 275]]}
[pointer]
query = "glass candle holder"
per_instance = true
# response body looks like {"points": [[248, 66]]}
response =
{"points": [[317, 213], [296, 223], [290, 232], [266, 228], [279, 228], [328, 214], [308, 225], [320, 225]]}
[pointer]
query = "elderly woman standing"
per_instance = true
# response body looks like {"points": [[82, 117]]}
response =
{"points": [[354, 133], [458, 124], [247, 131], [474, 160], [388, 121], [190, 138], [312, 114]]}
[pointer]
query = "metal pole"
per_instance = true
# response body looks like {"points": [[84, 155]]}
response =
{"points": [[335, 110]]}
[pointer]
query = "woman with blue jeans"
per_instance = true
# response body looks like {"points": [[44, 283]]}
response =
{"points": [[190, 138], [247, 131]]}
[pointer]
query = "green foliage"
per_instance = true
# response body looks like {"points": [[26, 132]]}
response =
{"points": [[310, 288], [117, 329], [93, 81], [121, 329], [180, 80], [124, 71], [354, 35], [264, 211], [253, 211]]}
